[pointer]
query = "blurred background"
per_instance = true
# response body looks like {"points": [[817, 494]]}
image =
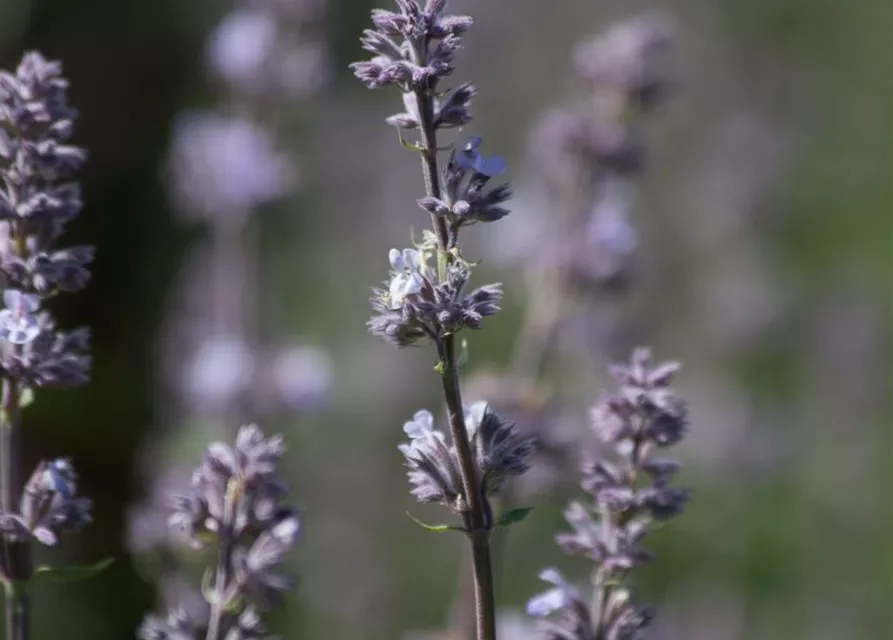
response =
{"points": [[762, 261]]}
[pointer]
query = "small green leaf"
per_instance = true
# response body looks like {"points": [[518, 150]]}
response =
{"points": [[410, 146], [440, 367], [512, 516], [71, 574], [436, 528]]}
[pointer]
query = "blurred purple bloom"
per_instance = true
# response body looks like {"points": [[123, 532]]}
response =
{"points": [[302, 377], [221, 369], [225, 166], [241, 45]]}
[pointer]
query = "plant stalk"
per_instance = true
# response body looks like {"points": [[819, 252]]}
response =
{"points": [[478, 519], [224, 551], [16, 553]]}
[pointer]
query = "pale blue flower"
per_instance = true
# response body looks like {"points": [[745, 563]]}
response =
{"points": [[421, 432], [408, 279], [421, 425], [18, 324], [551, 600]]}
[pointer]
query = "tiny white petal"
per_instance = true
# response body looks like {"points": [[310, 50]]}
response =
{"points": [[546, 603], [413, 259], [552, 575], [396, 259], [474, 415], [397, 288], [425, 417]]}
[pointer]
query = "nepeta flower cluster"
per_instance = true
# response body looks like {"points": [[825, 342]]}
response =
{"points": [[235, 501], [38, 199], [630, 493], [416, 304], [413, 48], [424, 299], [434, 467], [49, 505], [591, 156], [414, 52]]}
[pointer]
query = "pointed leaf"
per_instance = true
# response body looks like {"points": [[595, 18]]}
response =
{"points": [[75, 573], [513, 515], [436, 528]]}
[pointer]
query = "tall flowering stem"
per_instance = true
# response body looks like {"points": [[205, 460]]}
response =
{"points": [[630, 493], [37, 200], [413, 51], [236, 500]]}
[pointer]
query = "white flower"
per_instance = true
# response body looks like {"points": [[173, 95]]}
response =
{"points": [[421, 425], [421, 429], [18, 324], [422, 434], [408, 278]]}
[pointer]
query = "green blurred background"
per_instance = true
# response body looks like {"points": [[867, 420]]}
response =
{"points": [[766, 222]]}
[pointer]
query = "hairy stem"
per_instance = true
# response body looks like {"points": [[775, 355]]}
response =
{"points": [[478, 519], [221, 576], [16, 553], [17, 612]]}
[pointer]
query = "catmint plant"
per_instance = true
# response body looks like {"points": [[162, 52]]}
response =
{"points": [[38, 199], [630, 494], [235, 502], [426, 297], [225, 168]]}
